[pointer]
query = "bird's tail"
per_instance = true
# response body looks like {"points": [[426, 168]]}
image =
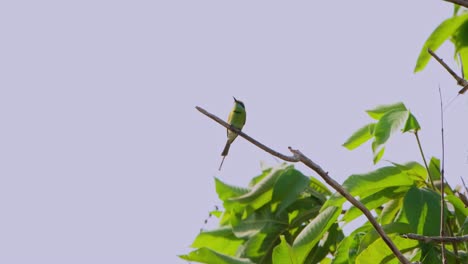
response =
{"points": [[221, 165], [224, 153], [226, 149]]}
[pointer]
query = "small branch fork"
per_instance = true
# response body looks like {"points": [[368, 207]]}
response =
{"points": [[460, 81], [299, 157], [436, 239]]}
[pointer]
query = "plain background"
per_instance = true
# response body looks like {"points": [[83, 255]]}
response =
{"points": [[103, 158]]}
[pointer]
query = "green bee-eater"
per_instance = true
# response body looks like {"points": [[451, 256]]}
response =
{"points": [[236, 119]]}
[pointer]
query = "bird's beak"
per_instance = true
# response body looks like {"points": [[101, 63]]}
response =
{"points": [[235, 100]]}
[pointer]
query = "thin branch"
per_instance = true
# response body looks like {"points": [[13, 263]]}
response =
{"points": [[460, 81], [458, 2], [464, 184], [462, 196], [242, 134], [435, 239], [424, 159], [299, 157], [442, 187]]}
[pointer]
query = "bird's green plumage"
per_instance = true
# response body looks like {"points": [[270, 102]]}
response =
{"points": [[236, 118]]}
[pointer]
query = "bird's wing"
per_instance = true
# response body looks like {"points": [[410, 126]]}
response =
{"points": [[231, 114]]}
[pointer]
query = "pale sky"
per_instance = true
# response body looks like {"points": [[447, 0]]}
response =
{"points": [[103, 157]]}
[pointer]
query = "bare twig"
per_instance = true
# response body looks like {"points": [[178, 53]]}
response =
{"points": [[460, 81], [299, 157], [428, 239], [462, 196], [424, 159], [442, 189], [458, 2], [464, 184]]}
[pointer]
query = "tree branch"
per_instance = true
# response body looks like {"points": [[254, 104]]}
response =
{"points": [[299, 157], [460, 81], [458, 2], [436, 239]]}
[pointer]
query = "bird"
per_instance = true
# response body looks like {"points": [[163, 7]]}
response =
{"points": [[236, 119]]}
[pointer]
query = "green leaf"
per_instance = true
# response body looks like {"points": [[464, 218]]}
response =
{"points": [[206, 255], [258, 178], [346, 246], [460, 39], [261, 244], [284, 254], [390, 211], [327, 245], [378, 156], [411, 123], [443, 32], [388, 124], [261, 193], [461, 212], [366, 184], [413, 170], [342, 252], [221, 240], [381, 110], [314, 231], [250, 226], [434, 168], [226, 191], [422, 209], [378, 251], [359, 137], [319, 186], [392, 228], [375, 200], [287, 188]]}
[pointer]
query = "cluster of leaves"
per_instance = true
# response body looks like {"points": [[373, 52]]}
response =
{"points": [[287, 217], [454, 29], [278, 219], [389, 120]]}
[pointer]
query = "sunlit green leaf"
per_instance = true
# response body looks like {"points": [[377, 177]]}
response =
{"points": [[206, 255], [411, 124], [314, 231], [390, 210], [392, 228], [284, 254], [434, 168], [366, 184], [378, 156], [226, 191], [221, 240], [375, 200], [379, 252], [460, 39], [319, 186], [381, 110], [261, 193], [359, 137], [258, 178], [442, 33], [388, 124]]}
